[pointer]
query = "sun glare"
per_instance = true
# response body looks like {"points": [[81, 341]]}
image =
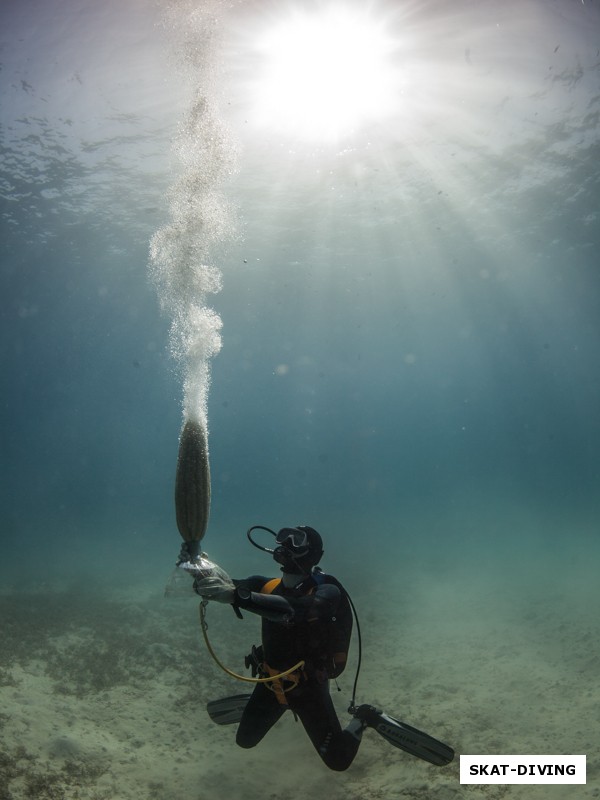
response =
{"points": [[324, 74]]}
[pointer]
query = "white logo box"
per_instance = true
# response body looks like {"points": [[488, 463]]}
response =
{"points": [[541, 769]]}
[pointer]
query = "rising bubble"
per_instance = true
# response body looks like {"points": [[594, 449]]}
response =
{"points": [[182, 252]]}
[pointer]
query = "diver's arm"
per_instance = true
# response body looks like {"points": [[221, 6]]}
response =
{"points": [[323, 604], [272, 606]]}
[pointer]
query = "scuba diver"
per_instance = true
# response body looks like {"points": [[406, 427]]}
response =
{"points": [[306, 628]]}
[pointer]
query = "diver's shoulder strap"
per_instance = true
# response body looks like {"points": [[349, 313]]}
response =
{"points": [[270, 586], [321, 577]]}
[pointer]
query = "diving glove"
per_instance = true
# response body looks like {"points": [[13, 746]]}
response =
{"points": [[210, 581]]}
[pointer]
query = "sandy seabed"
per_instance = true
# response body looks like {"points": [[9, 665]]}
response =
{"points": [[103, 695]]}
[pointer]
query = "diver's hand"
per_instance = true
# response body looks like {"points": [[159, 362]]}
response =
{"points": [[213, 581], [210, 581], [214, 588]]}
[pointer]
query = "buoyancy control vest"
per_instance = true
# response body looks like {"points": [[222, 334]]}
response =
{"points": [[338, 628]]}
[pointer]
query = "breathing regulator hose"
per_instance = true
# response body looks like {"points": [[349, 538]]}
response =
{"points": [[269, 679]]}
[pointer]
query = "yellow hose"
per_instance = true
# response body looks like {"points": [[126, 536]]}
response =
{"points": [[270, 679]]}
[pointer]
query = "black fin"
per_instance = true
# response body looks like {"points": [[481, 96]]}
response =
{"points": [[413, 741], [227, 710]]}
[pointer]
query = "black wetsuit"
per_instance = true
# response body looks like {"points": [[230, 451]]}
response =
{"points": [[300, 636]]}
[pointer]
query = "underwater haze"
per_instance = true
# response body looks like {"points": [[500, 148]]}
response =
{"points": [[392, 332]]}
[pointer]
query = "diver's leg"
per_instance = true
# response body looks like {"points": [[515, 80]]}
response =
{"points": [[261, 713], [315, 709]]}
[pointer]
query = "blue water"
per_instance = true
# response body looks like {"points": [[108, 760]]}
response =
{"points": [[411, 316]]}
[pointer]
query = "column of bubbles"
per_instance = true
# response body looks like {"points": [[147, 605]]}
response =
{"points": [[182, 252]]}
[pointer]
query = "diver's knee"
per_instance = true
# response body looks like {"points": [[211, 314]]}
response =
{"points": [[336, 764], [338, 751], [245, 741]]}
